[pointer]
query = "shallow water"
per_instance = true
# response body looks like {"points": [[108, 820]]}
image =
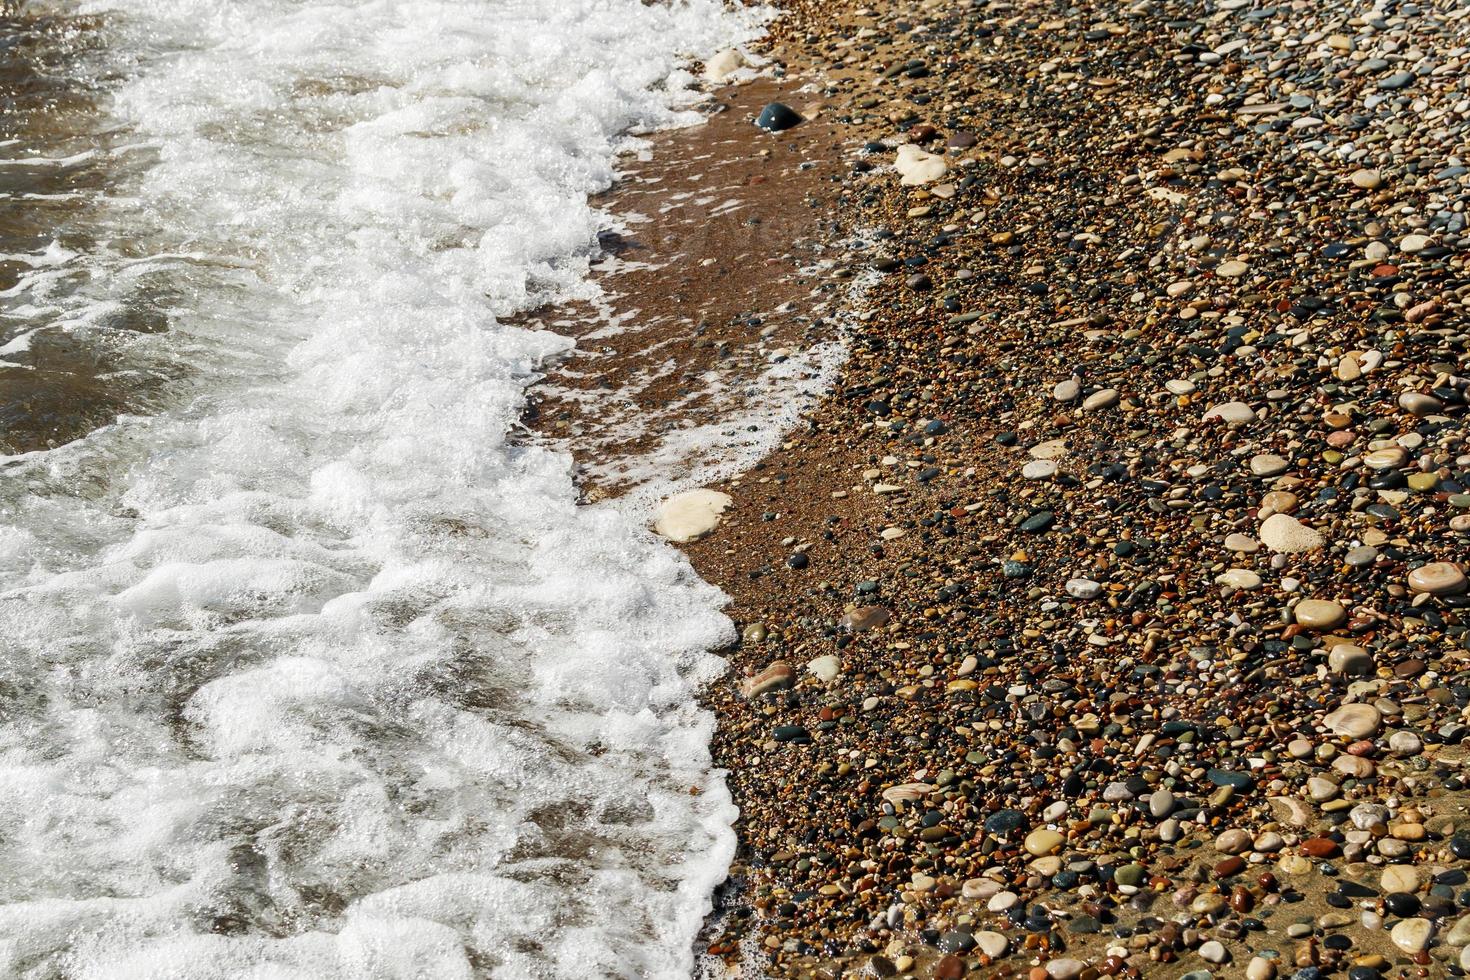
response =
{"points": [[309, 670]]}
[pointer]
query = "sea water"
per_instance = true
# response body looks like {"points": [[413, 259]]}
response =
{"points": [[318, 671]]}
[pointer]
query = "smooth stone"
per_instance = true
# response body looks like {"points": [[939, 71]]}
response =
{"points": [[1366, 179], [1066, 391], [1411, 935], [1239, 578], [1180, 386], [864, 618], [1419, 404], [1214, 951], [1350, 660], [1280, 501], [1260, 968], [724, 64], [1387, 458], [1268, 464], [1437, 578], [1065, 968], [1405, 743], [1042, 841], [1242, 544], [1105, 398], [992, 944], [777, 117], [1160, 803], [691, 515], [1321, 614], [1288, 536], [1231, 412], [774, 677], [1399, 878], [1083, 588], [1354, 721], [1233, 269]]}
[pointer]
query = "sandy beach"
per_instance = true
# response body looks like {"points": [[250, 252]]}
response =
{"points": [[1107, 616]]}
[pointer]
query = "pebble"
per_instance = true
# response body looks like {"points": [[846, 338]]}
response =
{"points": [[691, 515], [1286, 535], [1354, 721]]}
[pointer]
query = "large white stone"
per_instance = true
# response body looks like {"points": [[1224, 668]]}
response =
{"points": [[691, 515], [917, 167], [724, 64]]}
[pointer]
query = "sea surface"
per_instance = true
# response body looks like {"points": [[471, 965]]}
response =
{"points": [[309, 667]]}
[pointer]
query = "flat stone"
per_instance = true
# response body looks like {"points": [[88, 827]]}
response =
{"points": [[1231, 412], [1065, 968], [691, 515], [1419, 404], [1268, 464], [1320, 614], [1437, 578], [1083, 588], [1354, 721], [1367, 179], [1242, 543], [1066, 391], [992, 944], [1042, 841], [1106, 398], [1233, 269], [1039, 469], [1240, 578], [1399, 878], [1286, 535]]}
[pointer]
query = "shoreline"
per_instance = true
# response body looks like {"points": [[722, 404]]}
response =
{"points": [[1109, 611]]}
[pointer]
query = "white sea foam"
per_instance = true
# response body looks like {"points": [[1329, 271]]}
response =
{"points": [[319, 674]]}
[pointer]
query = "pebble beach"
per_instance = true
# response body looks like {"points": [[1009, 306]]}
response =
{"points": [[1108, 615]]}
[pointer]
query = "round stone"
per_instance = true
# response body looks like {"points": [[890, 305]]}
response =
{"points": [[1242, 543], [1319, 614], [1083, 588], [1105, 398], [1411, 935], [1399, 878], [1066, 391], [691, 515], [1280, 501], [1438, 578], [1179, 386], [1268, 464], [1387, 458], [1350, 660], [1286, 535], [1233, 269], [1240, 578], [1354, 721], [1367, 179], [1214, 952], [1042, 841], [1231, 412]]}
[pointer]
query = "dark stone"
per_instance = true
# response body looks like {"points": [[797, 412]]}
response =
{"points": [[776, 117]]}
